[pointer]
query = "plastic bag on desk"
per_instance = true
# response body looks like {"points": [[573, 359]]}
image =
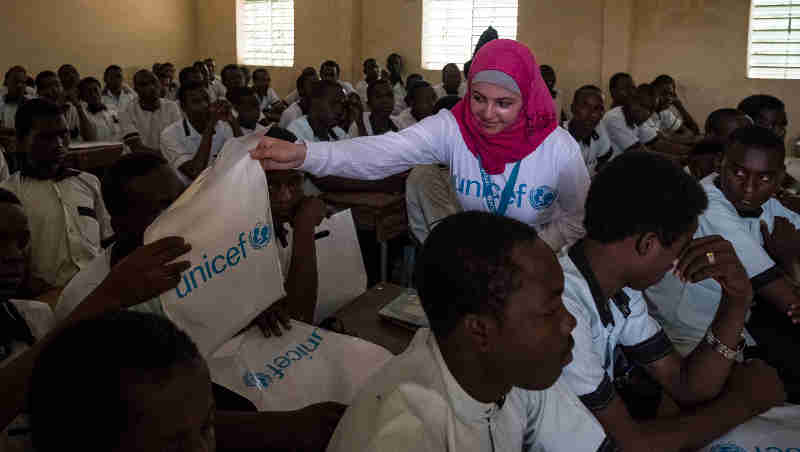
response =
{"points": [[776, 430]]}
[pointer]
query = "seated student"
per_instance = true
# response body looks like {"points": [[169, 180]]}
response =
{"points": [[245, 101], [633, 238], [213, 93], [215, 84], [394, 64], [269, 103], [372, 72], [329, 70], [80, 127], [115, 94], [549, 76], [144, 119], [742, 210], [294, 96], [587, 129], [192, 143], [15, 95], [672, 117], [622, 88], [105, 120], [167, 77], [327, 108], [421, 99], [379, 118], [68, 218], [706, 155], [303, 105], [69, 78], [246, 74], [232, 77], [766, 111], [484, 376], [452, 82]]}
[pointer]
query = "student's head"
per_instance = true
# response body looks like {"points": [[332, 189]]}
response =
{"points": [[549, 76], [146, 85], [642, 104], [156, 68], [211, 65], [413, 78], [190, 74], [136, 189], [203, 69], [451, 78], [245, 74], [135, 383], [447, 102], [621, 88], [650, 224], [421, 98], [285, 186], [48, 86], [371, 70], [329, 70], [497, 298], [705, 158], [89, 91], [665, 91], [587, 109], [327, 103], [380, 97], [394, 64], [766, 111], [261, 79], [305, 82], [113, 77], [168, 71], [195, 102], [722, 122], [43, 136], [232, 76], [752, 168], [69, 76], [15, 235], [248, 107], [15, 82]]}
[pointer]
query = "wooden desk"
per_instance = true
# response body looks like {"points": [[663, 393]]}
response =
{"points": [[384, 213], [360, 318], [94, 157]]}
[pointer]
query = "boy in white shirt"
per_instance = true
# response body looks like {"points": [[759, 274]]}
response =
{"points": [[105, 119], [452, 83], [294, 96], [191, 144], [215, 83], [326, 112], [372, 72], [763, 232], [15, 94], [484, 377], [633, 238], [145, 118], [270, 104], [706, 155], [116, 94], [329, 70], [379, 118], [587, 129], [766, 111], [421, 99], [303, 104], [672, 116], [231, 77], [48, 86], [245, 101]]}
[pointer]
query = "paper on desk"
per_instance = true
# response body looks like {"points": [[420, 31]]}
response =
{"points": [[93, 144]]}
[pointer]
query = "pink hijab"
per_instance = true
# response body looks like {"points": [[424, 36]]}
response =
{"points": [[535, 121]]}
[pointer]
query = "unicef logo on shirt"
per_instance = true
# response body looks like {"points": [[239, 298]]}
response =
{"points": [[260, 236], [727, 447], [542, 197]]}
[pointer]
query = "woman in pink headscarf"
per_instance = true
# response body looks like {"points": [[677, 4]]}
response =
{"points": [[502, 143]]}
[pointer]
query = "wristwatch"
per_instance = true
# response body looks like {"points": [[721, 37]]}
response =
{"points": [[724, 350]]}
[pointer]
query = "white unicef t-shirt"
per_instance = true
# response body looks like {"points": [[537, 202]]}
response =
{"points": [[549, 193]]}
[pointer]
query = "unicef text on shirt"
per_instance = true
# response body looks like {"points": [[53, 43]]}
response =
{"points": [[193, 279]]}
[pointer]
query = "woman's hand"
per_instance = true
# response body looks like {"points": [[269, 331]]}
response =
{"points": [[276, 154]]}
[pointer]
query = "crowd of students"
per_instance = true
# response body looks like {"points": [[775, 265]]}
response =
{"points": [[595, 279]]}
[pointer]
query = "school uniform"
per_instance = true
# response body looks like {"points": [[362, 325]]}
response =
{"points": [[668, 120], [148, 125], [361, 90], [293, 97], [180, 141], [290, 114], [549, 192], [106, 123], [346, 86], [399, 98], [8, 111], [259, 129], [73, 122], [415, 403], [687, 310], [405, 119], [303, 131], [172, 92], [353, 132], [218, 90], [119, 103], [623, 136], [597, 146], [440, 91], [610, 334], [430, 197], [67, 219], [265, 102]]}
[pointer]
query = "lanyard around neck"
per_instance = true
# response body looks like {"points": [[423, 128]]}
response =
{"points": [[508, 190]]}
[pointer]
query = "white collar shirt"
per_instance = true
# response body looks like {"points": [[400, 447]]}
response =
{"points": [[180, 141], [598, 146], [148, 125]]}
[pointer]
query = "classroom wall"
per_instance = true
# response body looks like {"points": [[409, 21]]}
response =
{"points": [[91, 34]]}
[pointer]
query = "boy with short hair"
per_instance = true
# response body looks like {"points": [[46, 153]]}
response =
{"points": [[421, 99], [706, 155], [633, 238], [294, 96], [144, 120], [215, 84], [766, 111], [622, 88], [330, 70], [587, 129], [105, 120], [372, 72], [245, 101], [452, 82], [549, 77], [301, 107], [116, 94], [326, 112], [232, 77], [69, 78], [15, 95], [672, 117], [167, 77], [49, 87], [269, 103]]}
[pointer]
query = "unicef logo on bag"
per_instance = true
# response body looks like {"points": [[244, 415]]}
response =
{"points": [[542, 197], [727, 447], [260, 236]]}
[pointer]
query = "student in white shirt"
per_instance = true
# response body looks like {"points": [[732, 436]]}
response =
{"points": [[379, 119], [115, 94], [634, 237], [326, 112], [706, 155], [329, 70], [421, 100], [622, 88], [766, 111], [231, 77], [80, 127], [372, 72], [148, 116], [246, 103], [452, 83], [166, 75], [270, 104], [672, 114], [502, 158], [68, 218], [587, 129], [191, 144], [105, 119], [14, 83], [763, 233], [216, 86], [300, 107], [394, 64], [294, 96], [484, 376], [69, 77]]}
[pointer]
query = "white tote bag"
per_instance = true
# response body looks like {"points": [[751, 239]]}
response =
{"points": [[777, 430], [235, 275], [305, 365]]}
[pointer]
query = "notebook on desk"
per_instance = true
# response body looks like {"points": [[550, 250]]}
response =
{"points": [[406, 311]]}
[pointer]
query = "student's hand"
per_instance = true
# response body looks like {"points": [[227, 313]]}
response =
{"points": [[276, 154], [71, 96], [783, 244], [221, 110], [757, 385], [147, 272], [274, 318], [714, 257], [355, 106], [310, 213], [311, 428]]}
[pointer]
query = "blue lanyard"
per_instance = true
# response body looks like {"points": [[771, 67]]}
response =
{"points": [[508, 190]]}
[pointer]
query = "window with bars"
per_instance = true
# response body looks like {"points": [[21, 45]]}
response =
{"points": [[451, 28], [265, 32], [774, 41]]}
